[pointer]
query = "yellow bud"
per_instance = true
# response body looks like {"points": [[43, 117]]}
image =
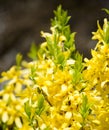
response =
{"points": [[68, 115], [96, 122], [5, 117], [18, 122]]}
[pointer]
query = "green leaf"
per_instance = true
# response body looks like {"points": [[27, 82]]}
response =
{"points": [[77, 68], [85, 107], [18, 60], [60, 60], [40, 101], [27, 109], [70, 42], [106, 10], [33, 52], [50, 45], [40, 105], [106, 31], [33, 73]]}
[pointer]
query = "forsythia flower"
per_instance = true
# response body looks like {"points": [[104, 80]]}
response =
{"points": [[97, 75], [57, 90]]}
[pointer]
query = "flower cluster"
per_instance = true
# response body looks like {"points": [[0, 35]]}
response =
{"points": [[58, 90], [97, 75]]}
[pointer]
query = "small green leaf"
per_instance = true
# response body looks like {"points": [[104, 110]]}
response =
{"points": [[60, 59], [40, 101], [50, 46], [77, 68], [33, 52], [27, 109], [40, 105], [18, 60], [85, 107], [33, 73], [106, 31]]}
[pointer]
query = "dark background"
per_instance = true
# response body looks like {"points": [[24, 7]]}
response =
{"points": [[22, 20]]}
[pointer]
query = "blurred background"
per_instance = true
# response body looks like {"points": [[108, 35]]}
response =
{"points": [[22, 20]]}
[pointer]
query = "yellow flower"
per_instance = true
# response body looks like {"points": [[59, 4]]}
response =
{"points": [[11, 107], [5, 117], [26, 126]]}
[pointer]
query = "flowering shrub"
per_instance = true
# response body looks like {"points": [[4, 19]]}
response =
{"points": [[58, 89]]}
